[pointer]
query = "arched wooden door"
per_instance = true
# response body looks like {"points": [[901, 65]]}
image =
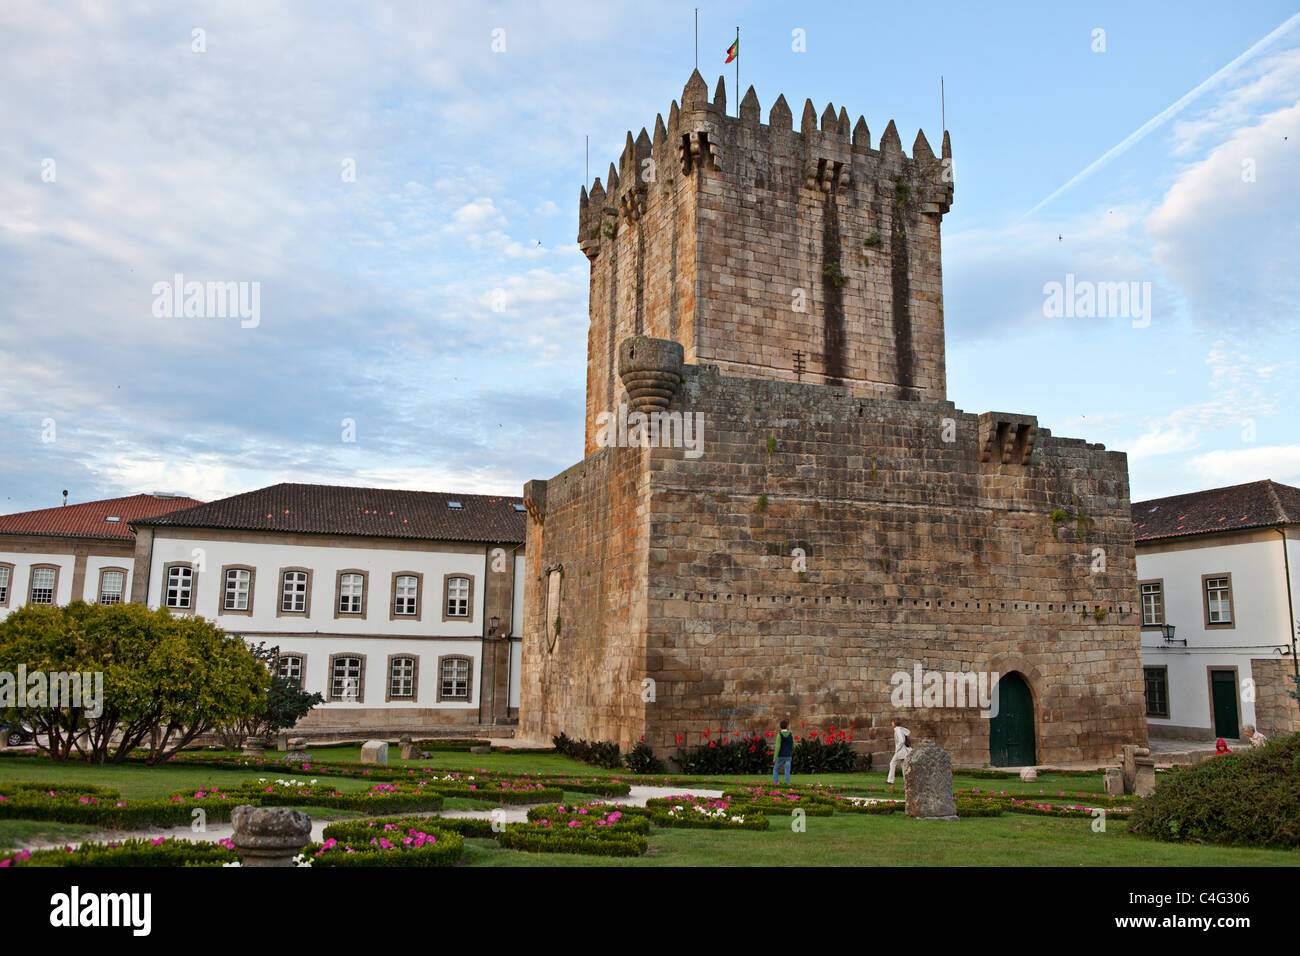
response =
{"points": [[1011, 729]]}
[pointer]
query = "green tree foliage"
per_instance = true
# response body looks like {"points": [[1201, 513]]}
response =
{"points": [[286, 704], [166, 679]]}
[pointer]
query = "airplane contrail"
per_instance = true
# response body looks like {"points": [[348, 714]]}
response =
{"points": [[1165, 115]]}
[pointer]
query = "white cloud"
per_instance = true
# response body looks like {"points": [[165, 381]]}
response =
{"points": [[1161, 441], [1238, 466]]}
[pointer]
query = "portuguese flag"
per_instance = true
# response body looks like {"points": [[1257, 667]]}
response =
{"points": [[733, 51]]}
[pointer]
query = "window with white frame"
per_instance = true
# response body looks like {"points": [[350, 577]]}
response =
{"points": [[1153, 604], [454, 679], [180, 586], [238, 589], [1218, 600], [458, 597], [293, 592], [352, 590], [401, 678], [406, 590], [5, 577], [43, 580], [111, 583], [345, 678], [291, 669]]}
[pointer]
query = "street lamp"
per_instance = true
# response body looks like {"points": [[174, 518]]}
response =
{"points": [[1168, 631], [496, 623]]}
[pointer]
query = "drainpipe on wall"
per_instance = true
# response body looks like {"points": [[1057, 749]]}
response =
{"points": [[1290, 606]]}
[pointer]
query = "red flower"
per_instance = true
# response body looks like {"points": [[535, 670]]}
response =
{"points": [[642, 740], [705, 734], [769, 733], [679, 738], [712, 744], [801, 723]]}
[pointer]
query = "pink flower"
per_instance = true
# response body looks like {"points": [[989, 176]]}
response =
{"points": [[157, 841]]}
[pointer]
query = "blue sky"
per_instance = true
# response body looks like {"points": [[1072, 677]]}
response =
{"points": [[377, 295]]}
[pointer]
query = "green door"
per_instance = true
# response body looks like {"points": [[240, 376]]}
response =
{"points": [[1223, 688], [1011, 730]]}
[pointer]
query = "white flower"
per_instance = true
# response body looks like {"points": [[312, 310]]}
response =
{"points": [[236, 863]]}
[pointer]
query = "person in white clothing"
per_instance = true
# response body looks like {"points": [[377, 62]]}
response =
{"points": [[901, 749], [1254, 736]]}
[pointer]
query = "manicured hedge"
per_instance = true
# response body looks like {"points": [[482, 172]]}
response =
{"points": [[161, 851], [416, 846], [606, 816], [602, 753], [781, 801], [843, 805], [354, 831], [536, 838]]}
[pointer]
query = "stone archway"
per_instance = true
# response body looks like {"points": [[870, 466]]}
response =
{"points": [[1012, 736]]}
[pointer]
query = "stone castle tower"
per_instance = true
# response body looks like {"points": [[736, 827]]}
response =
{"points": [[838, 522]]}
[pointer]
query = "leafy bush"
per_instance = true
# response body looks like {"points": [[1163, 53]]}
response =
{"points": [[642, 759], [603, 754], [844, 805], [831, 752], [1251, 798]]}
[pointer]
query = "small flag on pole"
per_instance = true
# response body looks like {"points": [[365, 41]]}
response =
{"points": [[733, 51]]}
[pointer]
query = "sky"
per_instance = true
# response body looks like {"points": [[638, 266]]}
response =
{"points": [[401, 181]]}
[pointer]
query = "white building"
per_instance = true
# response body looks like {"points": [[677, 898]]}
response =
{"points": [[81, 552], [400, 607], [1219, 567]]}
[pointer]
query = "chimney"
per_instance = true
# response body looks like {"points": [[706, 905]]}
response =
{"points": [[65, 497]]}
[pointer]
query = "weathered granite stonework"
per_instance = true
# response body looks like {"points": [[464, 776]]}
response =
{"points": [[841, 521]]}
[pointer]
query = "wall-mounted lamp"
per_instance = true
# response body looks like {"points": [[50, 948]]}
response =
{"points": [[1168, 631]]}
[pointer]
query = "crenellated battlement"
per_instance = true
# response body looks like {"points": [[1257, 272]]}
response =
{"points": [[697, 131]]}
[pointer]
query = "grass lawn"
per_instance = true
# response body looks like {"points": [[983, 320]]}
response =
{"points": [[896, 840], [138, 781], [20, 833]]}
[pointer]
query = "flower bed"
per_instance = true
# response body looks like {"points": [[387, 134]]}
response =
{"points": [[846, 805], [160, 851], [1062, 809], [103, 807], [411, 846], [611, 816], [354, 831], [768, 799], [706, 813]]}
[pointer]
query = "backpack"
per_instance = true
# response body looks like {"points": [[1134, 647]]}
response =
{"points": [[907, 741]]}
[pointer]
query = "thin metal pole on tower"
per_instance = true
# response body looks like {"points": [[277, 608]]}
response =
{"points": [[587, 160], [697, 38], [943, 112], [737, 93]]}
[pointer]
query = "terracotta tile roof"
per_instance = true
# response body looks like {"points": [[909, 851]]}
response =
{"points": [[377, 512], [90, 519], [1259, 504]]}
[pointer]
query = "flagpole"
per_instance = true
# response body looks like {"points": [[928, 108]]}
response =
{"points": [[697, 38], [737, 93]]}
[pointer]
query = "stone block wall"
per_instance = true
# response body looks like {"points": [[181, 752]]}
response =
{"points": [[916, 550]]}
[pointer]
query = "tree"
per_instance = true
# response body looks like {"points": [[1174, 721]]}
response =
{"points": [[165, 679], [286, 704]]}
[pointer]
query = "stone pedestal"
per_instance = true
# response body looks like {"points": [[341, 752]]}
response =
{"points": [[254, 747], [1114, 782], [1136, 757], [409, 750], [1144, 778], [927, 777], [297, 751], [1029, 775], [269, 836], [479, 749], [374, 751]]}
